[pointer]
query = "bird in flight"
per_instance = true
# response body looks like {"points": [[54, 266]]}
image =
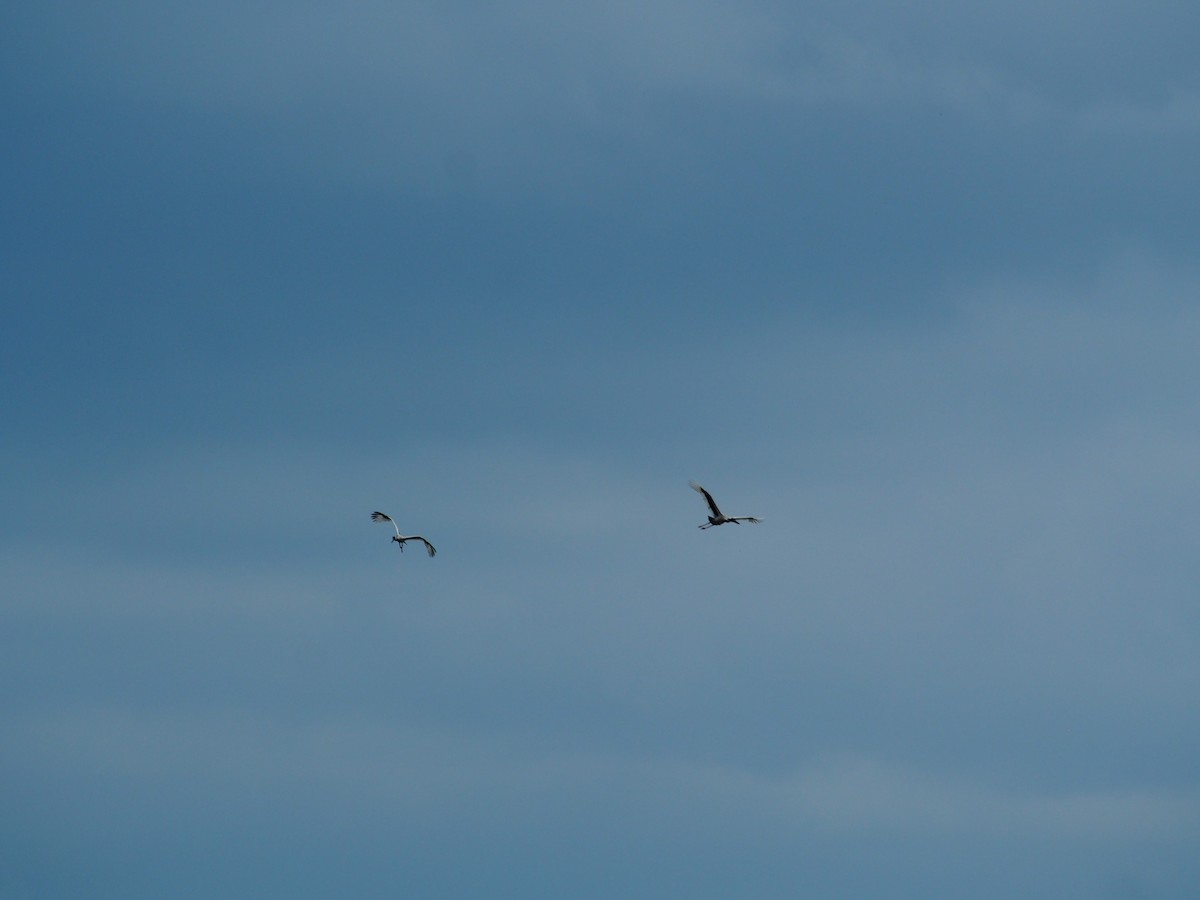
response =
{"points": [[718, 517], [401, 538]]}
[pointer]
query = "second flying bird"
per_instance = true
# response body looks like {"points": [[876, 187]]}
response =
{"points": [[718, 517]]}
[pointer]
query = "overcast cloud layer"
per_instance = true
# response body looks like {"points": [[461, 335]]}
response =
{"points": [[915, 283]]}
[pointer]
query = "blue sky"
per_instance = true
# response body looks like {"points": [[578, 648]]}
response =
{"points": [[915, 283]]}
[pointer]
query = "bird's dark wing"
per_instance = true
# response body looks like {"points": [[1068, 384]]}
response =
{"points": [[429, 548], [384, 517], [708, 497]]}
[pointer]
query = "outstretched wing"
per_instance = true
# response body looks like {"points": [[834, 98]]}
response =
{"points": [[708, 498], [384, 517], [750, 519], [429, 548]]}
